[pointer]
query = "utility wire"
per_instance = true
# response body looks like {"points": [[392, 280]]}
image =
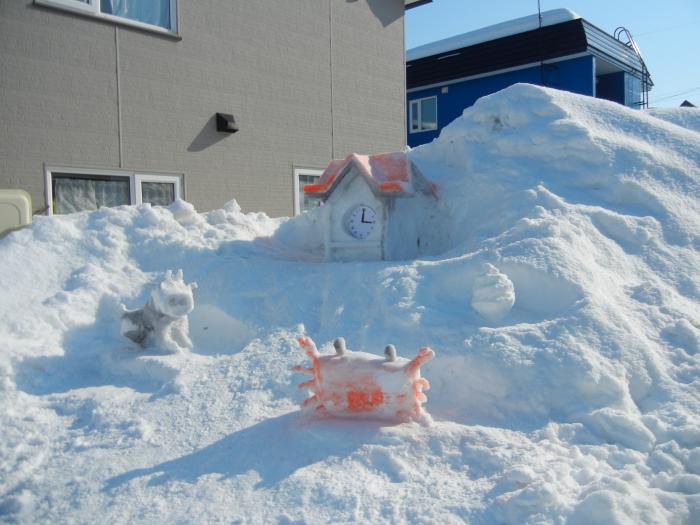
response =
{"points": [[664, 29], [677, 94]]}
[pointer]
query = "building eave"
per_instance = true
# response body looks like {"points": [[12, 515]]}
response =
{"points": [[410, 4], [491, 33], [549, 43]]}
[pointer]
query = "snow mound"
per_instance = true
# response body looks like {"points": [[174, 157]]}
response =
{"points": [[493, 294], [568, 394], [688, 118], [550, 149]]}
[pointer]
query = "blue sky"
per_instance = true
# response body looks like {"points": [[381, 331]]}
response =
{"points": [[667, 32]]}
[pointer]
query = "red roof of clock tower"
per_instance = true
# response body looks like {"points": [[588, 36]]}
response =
{"points": [[387, 174]]}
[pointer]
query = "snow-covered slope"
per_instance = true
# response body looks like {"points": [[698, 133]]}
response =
{"points": [[565, 317], [685, 117]]}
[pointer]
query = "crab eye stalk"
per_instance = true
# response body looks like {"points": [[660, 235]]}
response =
{"points": [[339, 345]]}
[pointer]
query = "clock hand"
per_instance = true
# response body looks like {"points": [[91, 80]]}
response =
{"points": [[362, 220]]}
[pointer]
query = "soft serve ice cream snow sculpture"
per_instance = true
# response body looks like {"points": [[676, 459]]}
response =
{"points": [[358, 384], [162, 322]]}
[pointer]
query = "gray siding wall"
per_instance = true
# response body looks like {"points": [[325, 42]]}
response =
{"points": [[307, 80]]}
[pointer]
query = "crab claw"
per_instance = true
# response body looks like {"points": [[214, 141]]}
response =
{"points": [[425, 354], [310, 400], [308, 384], [303, 369], [422, 383], [308, 344]]}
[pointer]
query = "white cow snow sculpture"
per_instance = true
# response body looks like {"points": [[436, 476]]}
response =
{"points": [[162, 322]]}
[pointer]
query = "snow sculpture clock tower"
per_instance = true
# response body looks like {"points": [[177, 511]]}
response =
{"points": [[377, 207]]}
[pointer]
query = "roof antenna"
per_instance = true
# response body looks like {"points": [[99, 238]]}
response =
{"points": [[539, 18]]}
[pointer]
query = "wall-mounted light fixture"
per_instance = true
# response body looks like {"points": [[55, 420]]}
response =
{"points": [[226, 123]]}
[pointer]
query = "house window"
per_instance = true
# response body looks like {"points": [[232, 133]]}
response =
{"points": [[423, 114], [75, 190], [158, 190], [160, 15], [302, 177]]}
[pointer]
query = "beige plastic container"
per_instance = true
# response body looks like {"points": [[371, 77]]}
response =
{"points": [[15, 209]]}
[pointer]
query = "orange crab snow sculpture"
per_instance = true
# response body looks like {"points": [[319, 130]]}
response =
{"points": [[358, 384]]}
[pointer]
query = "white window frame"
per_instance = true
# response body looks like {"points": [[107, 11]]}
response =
{"points": [[135, 180], [302, 171], [418, 103], [92, 8], [150, 177]]}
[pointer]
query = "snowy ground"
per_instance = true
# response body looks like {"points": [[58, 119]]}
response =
{"points": [[579, 405]]}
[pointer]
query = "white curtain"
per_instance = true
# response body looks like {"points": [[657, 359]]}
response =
{"points": [[155, 12], [158, 193], [78, 194]]}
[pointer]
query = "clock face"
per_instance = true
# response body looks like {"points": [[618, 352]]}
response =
{"points": [[361, 222]]}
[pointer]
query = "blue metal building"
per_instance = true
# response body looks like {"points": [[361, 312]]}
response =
{"points": [[559, 50]]}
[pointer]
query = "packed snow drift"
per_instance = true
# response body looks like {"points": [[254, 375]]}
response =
{"points": [[565, 318]]}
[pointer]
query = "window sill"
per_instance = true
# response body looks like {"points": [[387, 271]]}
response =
{"points": [[88, 13]]}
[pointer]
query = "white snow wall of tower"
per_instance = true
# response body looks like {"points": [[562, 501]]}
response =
{"points": [[415, 227]]}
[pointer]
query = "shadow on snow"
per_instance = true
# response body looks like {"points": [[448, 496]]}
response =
{"points": [[274, 448]]}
